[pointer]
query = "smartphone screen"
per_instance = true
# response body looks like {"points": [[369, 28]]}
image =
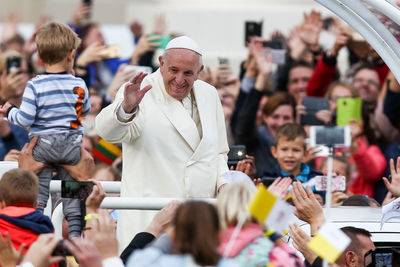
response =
{"points": [[76, 189], [13, 63], [338, 183], [338, 136], [313, 105], [236, 154]]}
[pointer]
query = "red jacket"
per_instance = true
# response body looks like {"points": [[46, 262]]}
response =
{"points": [[24, 225], [324, 75], [371, 165]]}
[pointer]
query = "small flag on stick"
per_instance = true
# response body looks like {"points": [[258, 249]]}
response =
{"points": [[271, 210], [329, 242]]}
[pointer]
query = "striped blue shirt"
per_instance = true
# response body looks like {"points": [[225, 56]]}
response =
{"points": [[52, 103]]}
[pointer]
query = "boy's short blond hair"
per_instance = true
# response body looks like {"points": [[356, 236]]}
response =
{"points": [[54, 41], [19, 188]]}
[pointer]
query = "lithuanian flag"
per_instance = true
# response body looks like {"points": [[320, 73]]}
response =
{"points": [[106, 152]]}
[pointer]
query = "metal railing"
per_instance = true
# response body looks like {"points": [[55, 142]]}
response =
{"points": [[124, 203]]}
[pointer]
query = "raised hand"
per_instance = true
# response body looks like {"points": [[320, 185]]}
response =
{"points": [[280, 186], [300, 240], [10, 26], [92, 53], [9, 256], [307, 206], [40, 251], [133, 94], [394, 185], [310, 29], [12, 84], [342, 38], [95, 198], [247, 166]]}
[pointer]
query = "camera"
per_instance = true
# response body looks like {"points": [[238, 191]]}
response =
{"points": [[76, 189], [61, 250], [236, 154], [335, 136]]}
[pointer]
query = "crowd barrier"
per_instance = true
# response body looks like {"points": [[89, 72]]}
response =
{"points": [[120, 203]]}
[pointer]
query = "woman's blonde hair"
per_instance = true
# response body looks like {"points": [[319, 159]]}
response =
{"points": [[232, 203]]}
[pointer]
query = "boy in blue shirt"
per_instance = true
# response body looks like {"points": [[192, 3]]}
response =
{"points": [[289, 150], [52, 107]]}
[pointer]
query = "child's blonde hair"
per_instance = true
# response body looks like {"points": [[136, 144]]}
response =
{"points": [[54, 41], [232, 203]]}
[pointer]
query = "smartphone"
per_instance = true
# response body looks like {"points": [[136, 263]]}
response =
{"points": [[313, 105], [13, 64], [76, 189], [382, 256], [278, 55], [338, 183], [111, 51], [273, 44], [252, 28], [348, 109], [87, 2], [138, 69], [236, 154], [61, 250], [337, 136], [223, 61]]}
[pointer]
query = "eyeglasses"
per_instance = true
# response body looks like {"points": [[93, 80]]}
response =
{"points": [[368, 81]]}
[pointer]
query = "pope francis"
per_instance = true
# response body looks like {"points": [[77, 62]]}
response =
{"points": [[172, 131]]}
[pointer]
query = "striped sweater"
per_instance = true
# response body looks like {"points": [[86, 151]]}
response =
{"points": [[52, 103]]}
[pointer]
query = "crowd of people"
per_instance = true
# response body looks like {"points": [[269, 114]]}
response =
{"points": [[77, 111]]}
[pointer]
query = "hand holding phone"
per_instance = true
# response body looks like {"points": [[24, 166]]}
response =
{"points": [[348, 109], [236, 154], [13, 64], [61, 250]]}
